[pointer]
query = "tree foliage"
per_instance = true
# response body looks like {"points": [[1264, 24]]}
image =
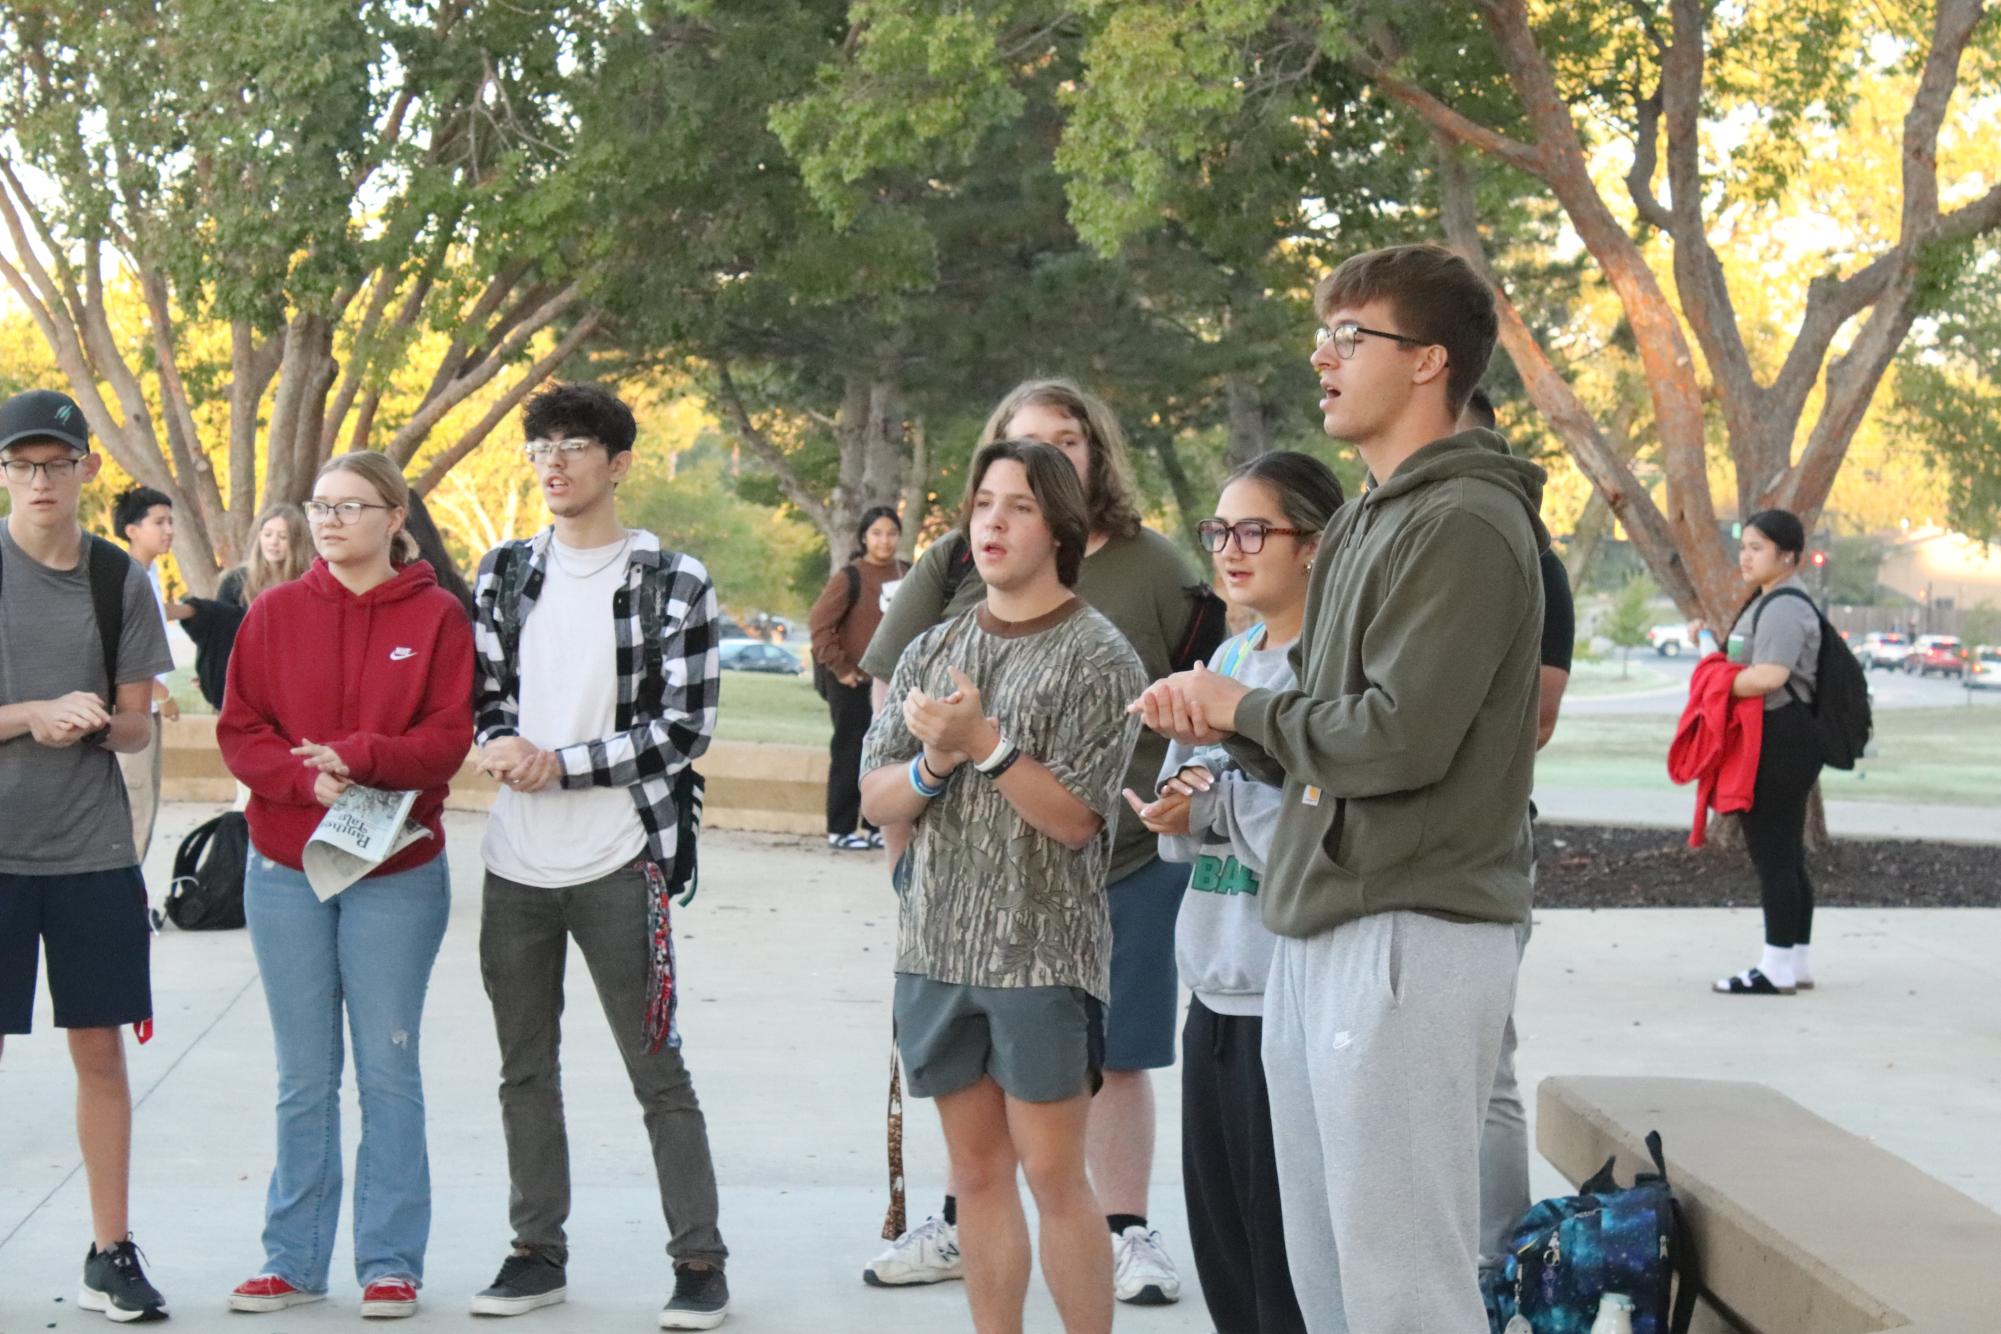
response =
{"points": [[330, 183]]}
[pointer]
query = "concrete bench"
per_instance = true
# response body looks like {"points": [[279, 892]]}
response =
{"points": [[1800, 1227], [771, 788]]}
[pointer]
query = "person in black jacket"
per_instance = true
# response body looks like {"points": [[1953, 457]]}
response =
{"points": [[281, 553]]}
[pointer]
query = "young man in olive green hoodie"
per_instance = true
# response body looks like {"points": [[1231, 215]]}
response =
{"points": [[1401, 861]]}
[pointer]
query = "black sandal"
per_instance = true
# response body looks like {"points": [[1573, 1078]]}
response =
{"points": [[1750, 982]]}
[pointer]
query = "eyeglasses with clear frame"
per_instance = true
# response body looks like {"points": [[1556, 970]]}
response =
{"points": [[1344, 334], [319, 511], [1250, 534], [543, 451], [22, 471]]}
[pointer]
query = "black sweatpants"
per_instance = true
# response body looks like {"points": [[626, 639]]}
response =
{"points": [[1229, 1176], [1775, 826], [849, 706]]}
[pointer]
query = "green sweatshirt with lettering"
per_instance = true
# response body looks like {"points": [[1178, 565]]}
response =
{"points": [[1407, 751]]}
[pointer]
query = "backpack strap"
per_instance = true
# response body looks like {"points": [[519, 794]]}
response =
{"points": [[957, 566], [1799, 593], [1234, 657], [107, 599], [1687, 1283], [854, 587], [1803, 596], [107, 603]]}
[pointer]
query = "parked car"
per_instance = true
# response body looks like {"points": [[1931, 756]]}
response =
{"points": [[1983, 668], [1884, 648], [1943, 654], [754, 655], [1670, 640]]}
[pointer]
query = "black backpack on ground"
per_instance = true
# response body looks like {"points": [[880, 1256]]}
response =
{"points": [[108, 564], [823, 680], [1201, 634], [207, 893], [1840, 706]]}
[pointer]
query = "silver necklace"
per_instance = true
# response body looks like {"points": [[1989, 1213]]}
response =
{"points": [[556, 555]]}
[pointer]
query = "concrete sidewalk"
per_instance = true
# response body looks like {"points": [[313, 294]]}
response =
{"points": [[1674, 808], [786, 967]]}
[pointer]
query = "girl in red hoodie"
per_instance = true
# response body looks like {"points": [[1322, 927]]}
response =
{"points": [[359, 672]]}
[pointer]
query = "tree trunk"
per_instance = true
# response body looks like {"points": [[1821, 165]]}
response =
{"points": [[916, 507], [1586, 537], [874, 464], [1186, 501], [1249, 419]]}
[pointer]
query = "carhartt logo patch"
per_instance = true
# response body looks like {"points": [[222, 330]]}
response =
{"points": [[1310, 797], [398, 654]]}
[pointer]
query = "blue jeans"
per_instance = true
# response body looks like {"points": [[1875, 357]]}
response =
{"points": [[371, 946]]}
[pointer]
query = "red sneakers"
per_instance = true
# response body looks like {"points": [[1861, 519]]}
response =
{"points": [[389, 1299], [268, 1292]]}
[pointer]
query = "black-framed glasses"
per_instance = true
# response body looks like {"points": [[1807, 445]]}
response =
{"points": [[1343, 337], [22, 471], [1250, 534], [319, 511]]}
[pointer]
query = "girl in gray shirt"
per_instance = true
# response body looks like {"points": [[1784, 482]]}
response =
{"points": [[1781, 653], [1216, 817]]}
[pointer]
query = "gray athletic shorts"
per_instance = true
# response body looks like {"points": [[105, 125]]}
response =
{"points": [[1040, 1044]]}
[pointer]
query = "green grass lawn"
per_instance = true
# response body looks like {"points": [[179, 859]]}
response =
{"points": [[1949, 756], [757, 707], [1606, 678]]}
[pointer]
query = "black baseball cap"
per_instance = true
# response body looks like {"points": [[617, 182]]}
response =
{"points": [[44, 414]]}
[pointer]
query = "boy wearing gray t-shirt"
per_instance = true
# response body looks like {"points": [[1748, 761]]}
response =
{"points": [[69, 883]]}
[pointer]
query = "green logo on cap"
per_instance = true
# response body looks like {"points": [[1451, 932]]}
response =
{"points": [[62, 414]]}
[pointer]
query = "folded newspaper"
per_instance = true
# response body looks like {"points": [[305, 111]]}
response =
{"points": [[364, 828]]}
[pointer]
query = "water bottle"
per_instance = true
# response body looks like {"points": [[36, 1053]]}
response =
{"points": [[1615, 1314]]}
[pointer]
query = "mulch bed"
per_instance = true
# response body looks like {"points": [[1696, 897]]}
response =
{"points": [[1606, 866]]}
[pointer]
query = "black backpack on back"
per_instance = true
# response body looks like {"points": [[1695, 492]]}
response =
{"points": [[1840, 706], [108, 564], [1207, 626], [207, 893]]}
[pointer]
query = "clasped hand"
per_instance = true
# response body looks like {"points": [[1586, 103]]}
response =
{"points": [[330, 776], [1196, 708], [68, 719], [952, 727], [519, 765]]}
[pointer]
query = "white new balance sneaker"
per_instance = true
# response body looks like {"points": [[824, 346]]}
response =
{"points": [[927, 1253], [1141, 1272]]}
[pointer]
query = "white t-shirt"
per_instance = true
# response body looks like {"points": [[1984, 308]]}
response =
{"points": [[160, 605], [569, 693]]}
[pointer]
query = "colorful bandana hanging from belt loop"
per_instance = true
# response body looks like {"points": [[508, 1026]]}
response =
{"points": [[661, 997]]}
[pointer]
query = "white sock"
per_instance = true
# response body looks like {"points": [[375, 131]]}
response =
{"points": [[1777, 965], [1801, 973]]}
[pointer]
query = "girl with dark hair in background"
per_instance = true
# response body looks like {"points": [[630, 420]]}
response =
{"points": [[280, 551], [1783, 650], [843, 620], [431, 546], [1211, 813]]}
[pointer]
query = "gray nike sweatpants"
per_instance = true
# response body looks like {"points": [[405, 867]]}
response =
{"points": [[1381, 1039]]}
